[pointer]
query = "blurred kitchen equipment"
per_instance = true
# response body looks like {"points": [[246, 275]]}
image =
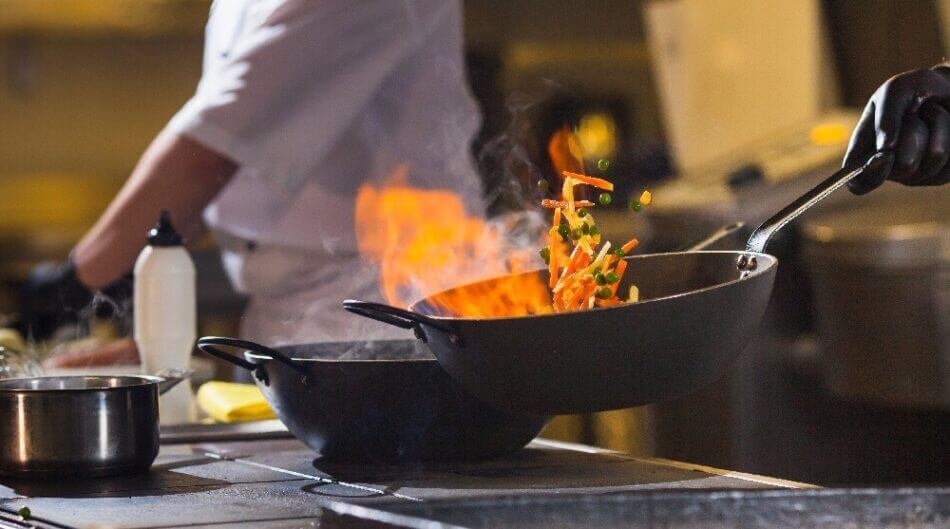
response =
{"points": [[884, 259], [15, 363], [165, 314], [84, 426], [699, 311], [391, 402], [706, 53]]}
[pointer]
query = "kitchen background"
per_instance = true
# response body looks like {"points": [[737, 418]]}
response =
{"points": [[849, 381]]}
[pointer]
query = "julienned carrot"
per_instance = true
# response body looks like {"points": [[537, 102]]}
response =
{"points": [[579, 259], [579, 294], [599, 183], [611, 302], [631, 244], [555, 251], [621, 268], [554, 204]]}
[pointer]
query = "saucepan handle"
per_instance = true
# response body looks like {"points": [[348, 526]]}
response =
{"points": [[763, 234], [171, 378], [210, 344], [401, 318]]}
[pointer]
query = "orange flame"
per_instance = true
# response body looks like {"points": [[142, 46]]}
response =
{"points": [[424, 243], [565, 153]]}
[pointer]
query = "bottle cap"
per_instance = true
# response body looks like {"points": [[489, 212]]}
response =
{"points": [[163, 234]]}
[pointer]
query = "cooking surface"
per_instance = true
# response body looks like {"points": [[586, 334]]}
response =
{"points": [[278, 482]]}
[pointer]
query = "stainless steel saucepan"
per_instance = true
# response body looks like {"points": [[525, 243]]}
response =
{"points": [[82, 426]]}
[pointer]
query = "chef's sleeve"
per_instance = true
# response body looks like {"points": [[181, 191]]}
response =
{"points": [[293, 83]]}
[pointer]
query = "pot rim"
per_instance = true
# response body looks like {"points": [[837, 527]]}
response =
{"points": [[128, 382]]}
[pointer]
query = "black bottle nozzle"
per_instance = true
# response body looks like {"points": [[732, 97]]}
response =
{"points": [[163, 234]]}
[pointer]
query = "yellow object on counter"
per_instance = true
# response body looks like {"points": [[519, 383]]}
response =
{"points": [[230, 402], [12, 339]]}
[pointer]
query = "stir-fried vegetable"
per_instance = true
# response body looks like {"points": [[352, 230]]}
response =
{"points": [[584, 273]]}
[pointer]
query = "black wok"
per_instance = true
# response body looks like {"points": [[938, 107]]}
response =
{"points": [[393, 404], [699, 311]]}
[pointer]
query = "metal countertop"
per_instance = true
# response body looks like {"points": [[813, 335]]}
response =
{"points": [[278, 484]]}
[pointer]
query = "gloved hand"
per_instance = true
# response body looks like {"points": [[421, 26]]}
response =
{"points": [[49, 295], [908, 115], [53, 295]]}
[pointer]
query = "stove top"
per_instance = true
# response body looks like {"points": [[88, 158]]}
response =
{"points": [[279, 484]]}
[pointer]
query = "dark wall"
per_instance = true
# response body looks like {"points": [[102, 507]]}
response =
{"points": [[875, 39]]}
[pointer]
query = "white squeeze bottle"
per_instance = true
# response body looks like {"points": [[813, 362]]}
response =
{"points": [[165, 315]]}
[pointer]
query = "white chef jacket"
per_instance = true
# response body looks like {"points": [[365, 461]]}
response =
{"points": [[313, 98]]}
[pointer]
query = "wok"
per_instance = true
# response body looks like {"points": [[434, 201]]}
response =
{"points": [[393, 404], [699, 310]]}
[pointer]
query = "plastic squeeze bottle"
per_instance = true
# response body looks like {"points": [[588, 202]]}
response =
{"points": [[165, 315]]}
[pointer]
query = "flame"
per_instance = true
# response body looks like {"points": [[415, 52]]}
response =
{"points": [[425, 243], [565, 152]]}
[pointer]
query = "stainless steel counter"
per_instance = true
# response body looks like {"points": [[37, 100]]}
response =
{"points": [[277, 484]]}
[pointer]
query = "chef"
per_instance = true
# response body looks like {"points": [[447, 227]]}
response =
{"points": [[299, 103]]}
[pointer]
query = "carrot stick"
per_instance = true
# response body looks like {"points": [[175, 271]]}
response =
{"points": [[621, 268], [631, 244], [553, 258], [611, 302], [599, 183], [580, 294], [588, 292], [554, 204], [577, 260]]}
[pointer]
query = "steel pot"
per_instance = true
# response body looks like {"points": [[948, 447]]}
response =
{"points": [[80, 425]]}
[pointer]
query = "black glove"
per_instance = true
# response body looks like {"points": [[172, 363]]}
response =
{"points": [[53, 295], [908, 115]]}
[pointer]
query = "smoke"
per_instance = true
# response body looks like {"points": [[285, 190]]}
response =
{"points": [[496, 185]]}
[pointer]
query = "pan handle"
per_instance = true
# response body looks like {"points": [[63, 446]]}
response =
{"points": [[401, 318], [208, 345], [763, 234]]}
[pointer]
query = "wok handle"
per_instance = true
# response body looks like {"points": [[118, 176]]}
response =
{"points": [[208, 345], [763, 234], [401, 318]]}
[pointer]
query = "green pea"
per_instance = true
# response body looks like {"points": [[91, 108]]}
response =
{"points": [[603, 164], [546, 254], [563, 230], [596, 271], [605, 293], [600, 279], [25, 513], [620, 253], [576, 233], [582, 213], [543, 184], [585, 228], [612, 278], [605, 199], [636, 206], [594, 230]]}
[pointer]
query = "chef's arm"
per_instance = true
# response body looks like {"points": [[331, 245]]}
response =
{"points": [[175, 173]]}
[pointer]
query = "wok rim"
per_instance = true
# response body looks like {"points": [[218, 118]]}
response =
{"points": [[752, 275], [261, 356]]}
